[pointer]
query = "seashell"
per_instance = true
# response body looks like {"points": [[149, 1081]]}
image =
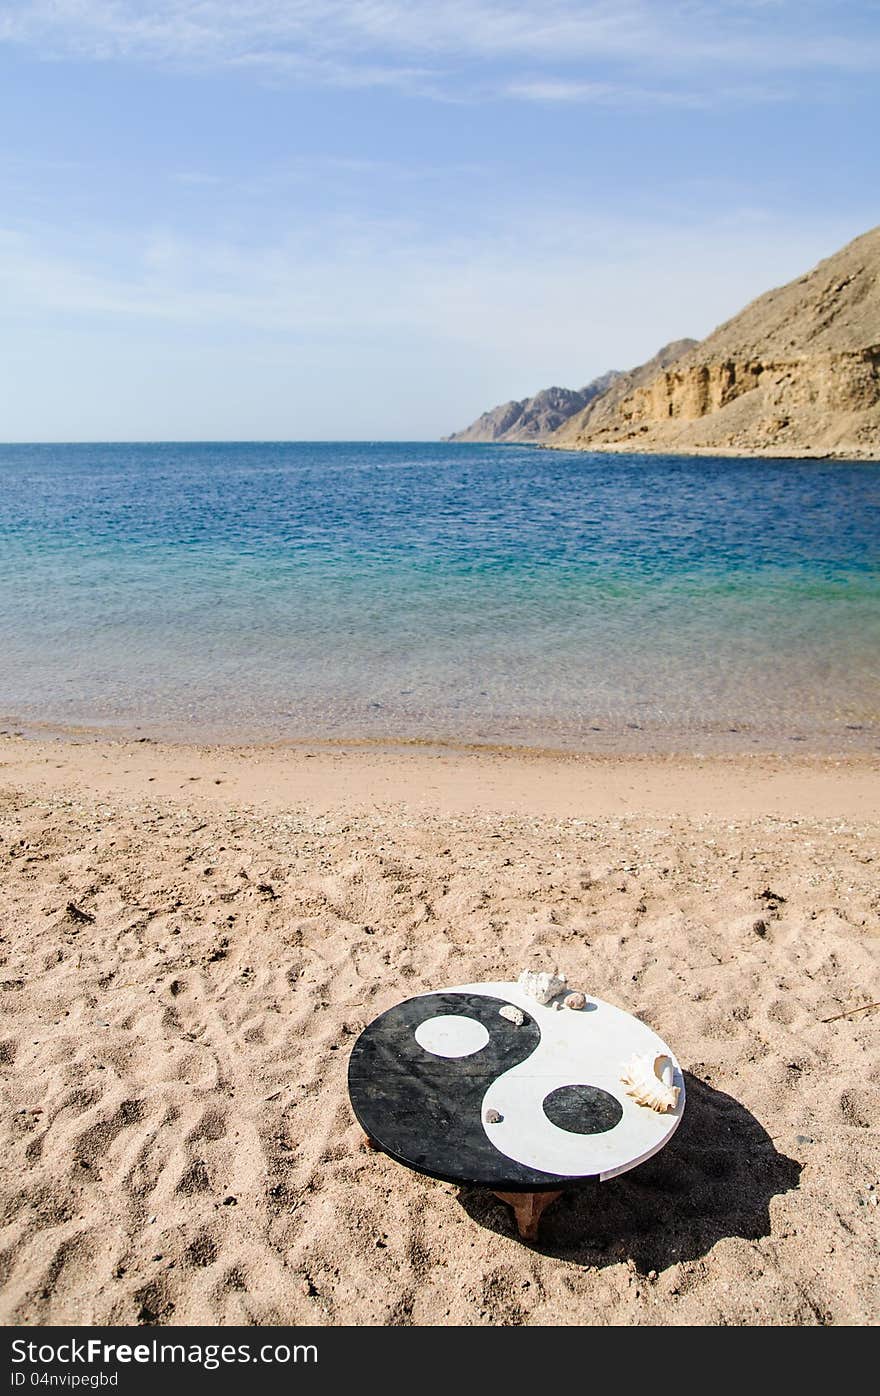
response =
{"points": [[541, 985], [513, 1014], [493, 1117], [649, 1081], [575, 1001]]}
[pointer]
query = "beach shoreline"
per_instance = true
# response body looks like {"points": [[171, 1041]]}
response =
{"points": [[632, 447], [528, 739], [450, 778], [192, 938]]}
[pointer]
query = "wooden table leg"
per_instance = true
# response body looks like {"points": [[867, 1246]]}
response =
{"points": [[528, 1208]]}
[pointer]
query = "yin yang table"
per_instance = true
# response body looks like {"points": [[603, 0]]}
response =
{"points": [[448, 1085]]}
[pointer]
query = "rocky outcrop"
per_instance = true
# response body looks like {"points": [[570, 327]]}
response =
{"points": [[604, 407], [535, 418], [797, 373]]}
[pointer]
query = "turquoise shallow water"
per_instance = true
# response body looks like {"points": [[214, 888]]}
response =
{"points": [[464, 593]]}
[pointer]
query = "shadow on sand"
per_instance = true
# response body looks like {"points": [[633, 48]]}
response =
{"points": [[715, 1178]]}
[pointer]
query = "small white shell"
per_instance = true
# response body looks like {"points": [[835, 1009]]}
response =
{"points": [[541, 985], [513, 1014], [649, 1081]]}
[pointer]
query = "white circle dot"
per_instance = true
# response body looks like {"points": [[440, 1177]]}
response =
{"points": [[451, 1035]]}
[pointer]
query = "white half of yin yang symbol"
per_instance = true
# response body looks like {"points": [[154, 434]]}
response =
{"points": [[564, 1110]]}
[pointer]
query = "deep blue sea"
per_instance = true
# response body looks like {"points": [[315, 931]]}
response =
{"points": [[485, 594]]}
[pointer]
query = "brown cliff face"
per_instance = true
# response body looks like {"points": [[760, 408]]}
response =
{"points": [[604, 408], [795, 373]]}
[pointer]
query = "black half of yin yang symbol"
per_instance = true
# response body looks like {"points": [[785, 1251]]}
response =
{"points": [[426, 1110]]}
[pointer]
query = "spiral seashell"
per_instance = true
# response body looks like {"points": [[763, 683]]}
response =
{"points": [[648, 1080]]}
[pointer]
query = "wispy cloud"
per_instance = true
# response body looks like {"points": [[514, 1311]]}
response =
{"points": [[463, 49], [570, 278], [557, 91], [371, 325]]}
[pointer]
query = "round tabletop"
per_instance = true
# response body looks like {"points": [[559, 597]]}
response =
{"points": [[450, 1086]]}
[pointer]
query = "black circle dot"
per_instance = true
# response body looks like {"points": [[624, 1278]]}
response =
{"points": [[582, 1109]]}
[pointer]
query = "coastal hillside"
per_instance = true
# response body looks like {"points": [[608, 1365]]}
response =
{"points": [[604, 407], [534, 418], [797, 373]]}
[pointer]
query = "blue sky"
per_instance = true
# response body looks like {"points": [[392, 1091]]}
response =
{"points": [[238, 219]]}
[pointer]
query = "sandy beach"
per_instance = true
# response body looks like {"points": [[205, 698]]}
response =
{"points": [[191, 938]]}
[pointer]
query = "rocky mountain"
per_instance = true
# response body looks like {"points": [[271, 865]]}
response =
{"points": [[535, 418], [605, 406], [796, 373]]}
